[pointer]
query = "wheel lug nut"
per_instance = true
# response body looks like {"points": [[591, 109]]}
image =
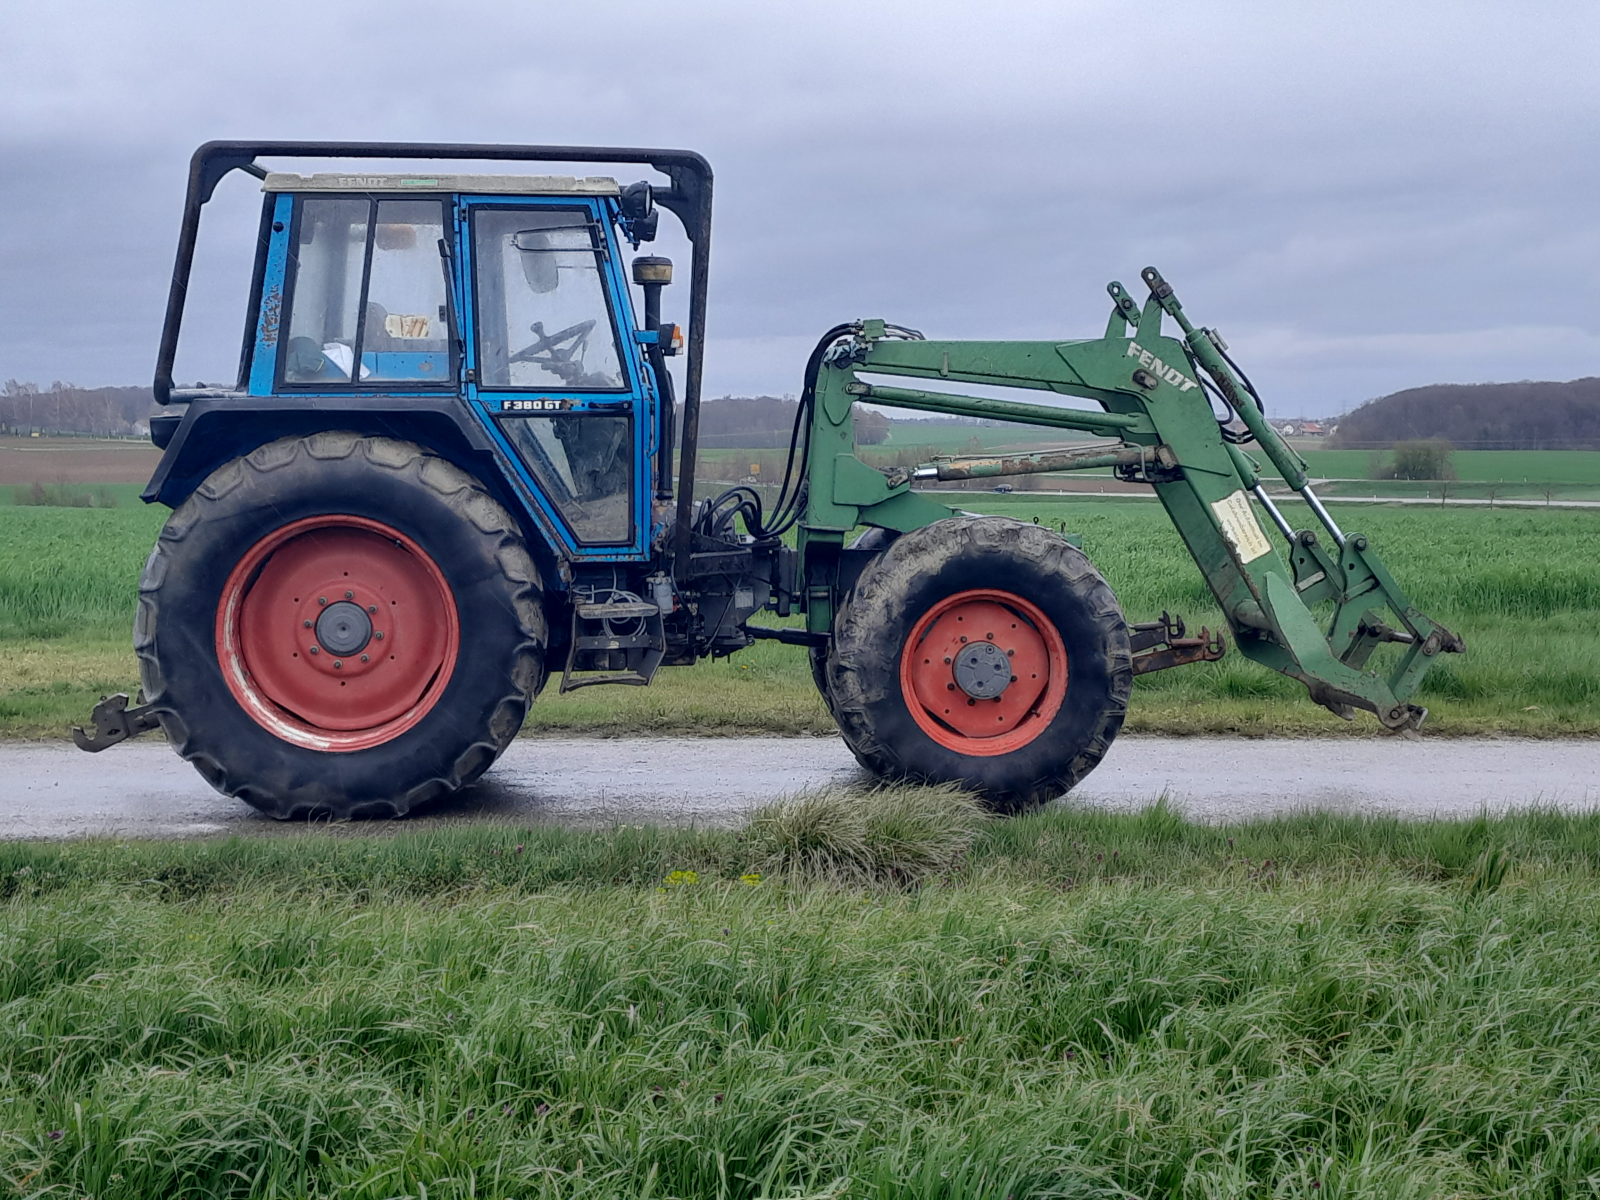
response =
{"points": [[352, 596], [314, 650], [307, 624], [373, 609], [363, 658], [379, 635], [950, 687], [322, 599], [337, 663]]}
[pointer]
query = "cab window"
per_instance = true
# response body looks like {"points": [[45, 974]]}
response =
{"points": [[543, 323], [368, 298], [584, 464]]}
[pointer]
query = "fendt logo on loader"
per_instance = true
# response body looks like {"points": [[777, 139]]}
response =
{"points": [[1151, 363]]}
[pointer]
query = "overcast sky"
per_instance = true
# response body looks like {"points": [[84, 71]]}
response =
{"points": [[1361, 196]]}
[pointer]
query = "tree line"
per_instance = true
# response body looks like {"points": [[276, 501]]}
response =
{"points": [[65, 408], [1479, 416], [765, 422]]}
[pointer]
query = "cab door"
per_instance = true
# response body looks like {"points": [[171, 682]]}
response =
{"points": [[551, 366]]}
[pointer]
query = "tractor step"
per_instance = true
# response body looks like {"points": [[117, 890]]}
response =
{"points": [[625, 631], [625, 610]]}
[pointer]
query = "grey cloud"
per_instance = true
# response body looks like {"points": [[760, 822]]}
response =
{"points": [[1364, 196]]}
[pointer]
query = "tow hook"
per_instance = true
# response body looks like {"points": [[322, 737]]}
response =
{"points": [[114, 722]]}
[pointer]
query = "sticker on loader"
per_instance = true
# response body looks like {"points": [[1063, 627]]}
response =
{"points": [[1240, 528]]}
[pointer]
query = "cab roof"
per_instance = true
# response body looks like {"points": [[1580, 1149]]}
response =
{"points": [[517, 185]]}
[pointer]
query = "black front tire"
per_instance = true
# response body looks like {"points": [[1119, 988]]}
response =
{"points": [[927, 566]]}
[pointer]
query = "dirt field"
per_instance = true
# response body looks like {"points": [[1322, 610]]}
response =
{"points": [[75, 460]]}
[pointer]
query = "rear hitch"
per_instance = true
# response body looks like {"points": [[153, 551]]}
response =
{"points": [[114, 722]]}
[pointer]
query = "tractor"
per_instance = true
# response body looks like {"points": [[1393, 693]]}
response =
{"points": [[444, 475]]}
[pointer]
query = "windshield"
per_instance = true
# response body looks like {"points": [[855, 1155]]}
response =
{"points": [[543, 322]]}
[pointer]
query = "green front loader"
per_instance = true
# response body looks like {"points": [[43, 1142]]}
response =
{"points": [[1158, 395]]}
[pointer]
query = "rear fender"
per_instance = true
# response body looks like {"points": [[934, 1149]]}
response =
{"points": [[214, 431]]}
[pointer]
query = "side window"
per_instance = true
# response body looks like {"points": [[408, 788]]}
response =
{"points": [[403, 334], [370, 292], [330, 254], [543, 320], [584, 464]]}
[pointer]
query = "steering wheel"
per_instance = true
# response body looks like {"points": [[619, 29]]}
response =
{"points": [[551, 343]]}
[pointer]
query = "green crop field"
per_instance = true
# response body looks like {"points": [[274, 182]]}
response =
{"points": [[863, 996], [1522, 586], [1482, 466], [1480, 474]]}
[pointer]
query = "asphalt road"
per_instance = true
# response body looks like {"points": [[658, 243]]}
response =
{"points": [[142, 789]]}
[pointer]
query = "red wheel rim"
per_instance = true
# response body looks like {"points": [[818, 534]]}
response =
{"points": [[994, 725], [273, 621]]}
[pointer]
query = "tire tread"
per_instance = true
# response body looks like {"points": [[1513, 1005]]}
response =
{"points": [[477, 511]]}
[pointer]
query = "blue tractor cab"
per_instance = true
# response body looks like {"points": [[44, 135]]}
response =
{"points": [[430, 360]]}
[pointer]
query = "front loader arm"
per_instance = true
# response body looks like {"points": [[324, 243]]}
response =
{"points": [[1152, 396]]}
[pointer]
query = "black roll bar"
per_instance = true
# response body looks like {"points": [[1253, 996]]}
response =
{"points": [[689, 199]]}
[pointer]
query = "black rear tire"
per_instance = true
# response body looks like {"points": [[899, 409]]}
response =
{"points": [[929, 566], [479, 554]]}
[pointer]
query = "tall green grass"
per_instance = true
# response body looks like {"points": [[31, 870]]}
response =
{"points": [[72, 572], [1521, 586], [1089, 1005]]}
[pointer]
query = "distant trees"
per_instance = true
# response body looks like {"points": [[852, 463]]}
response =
{"points": [[872, 428], [746, 421], [1482, 416], [757, 422], [1428, 458], [66, 408]]}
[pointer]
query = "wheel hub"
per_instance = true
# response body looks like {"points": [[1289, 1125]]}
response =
{"points": [[344, 628], [337, 632], [982, 670]]}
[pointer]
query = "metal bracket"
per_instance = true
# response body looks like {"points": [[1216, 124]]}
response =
{"points": [[1160, 645], [113, 721], [789, 637]]}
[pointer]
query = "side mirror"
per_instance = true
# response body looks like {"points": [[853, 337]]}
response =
{"points": [[538, 264]]}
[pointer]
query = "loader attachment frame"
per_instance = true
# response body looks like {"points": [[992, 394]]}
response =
{"points": [[1155, 395]]}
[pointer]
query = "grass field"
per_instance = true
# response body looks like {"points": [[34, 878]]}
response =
{"points": [[1521, 586], [1480, 474], [1570, 467], [89, 495], [1065, 1005]]}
